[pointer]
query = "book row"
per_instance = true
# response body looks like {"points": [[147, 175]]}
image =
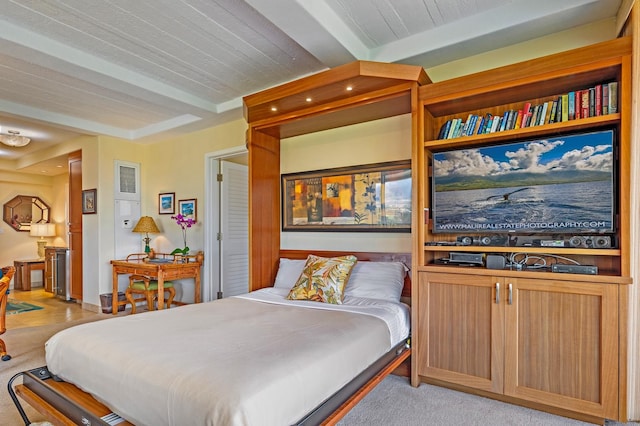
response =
{"points": [[601, 99]]}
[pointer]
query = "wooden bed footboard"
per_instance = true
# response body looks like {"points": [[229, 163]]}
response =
{"points": [[63, 404]]}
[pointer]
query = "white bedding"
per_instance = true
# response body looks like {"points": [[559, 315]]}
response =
{"points": [[255, 359]]}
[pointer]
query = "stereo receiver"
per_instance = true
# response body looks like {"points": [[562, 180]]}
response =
{"points": [[468, 258], [598, 241], [574, 269]]}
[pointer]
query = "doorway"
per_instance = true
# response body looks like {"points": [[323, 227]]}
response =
{"points": [[226, 224]]}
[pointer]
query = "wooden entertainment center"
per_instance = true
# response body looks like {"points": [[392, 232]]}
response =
{"points": [[551, 341]]}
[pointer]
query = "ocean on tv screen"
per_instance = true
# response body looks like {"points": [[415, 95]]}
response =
{"points": [[559, 185]]}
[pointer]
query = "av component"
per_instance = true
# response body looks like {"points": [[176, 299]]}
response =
{"points": [[495, 261], [470, 258], [494, 240], [499, 240], [552, 243], [598, 241], [602, 241], [484, 241], [465, 240], [574, 269]]}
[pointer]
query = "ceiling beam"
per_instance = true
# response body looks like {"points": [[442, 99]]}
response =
{"points": [[316, 28], [86, 61]]}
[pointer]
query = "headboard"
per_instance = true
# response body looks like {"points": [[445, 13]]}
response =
{"points": [[364, 256]]}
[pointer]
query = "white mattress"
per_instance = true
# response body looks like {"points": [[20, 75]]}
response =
{"points": [[256, 359], [396, 315]]}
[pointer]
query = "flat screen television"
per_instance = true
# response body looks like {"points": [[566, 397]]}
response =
{"points": [[557, 185]]}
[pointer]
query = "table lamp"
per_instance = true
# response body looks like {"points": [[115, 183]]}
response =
{"points": [[42, 230], [145, 226]]}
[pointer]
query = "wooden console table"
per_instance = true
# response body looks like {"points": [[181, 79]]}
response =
{"points": [[22, 278], [157, 271]]}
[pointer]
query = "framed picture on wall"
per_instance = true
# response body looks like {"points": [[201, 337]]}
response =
{"points": [[89, 201], [188, 208], [369, 198], [167, 203]]}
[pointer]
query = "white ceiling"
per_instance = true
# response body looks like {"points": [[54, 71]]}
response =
{"points": [[146, 70]]}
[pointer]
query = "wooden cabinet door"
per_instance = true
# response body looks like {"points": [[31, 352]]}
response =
{"points": [[562, 345], [461, 330], [48, 269], [75, 224]]}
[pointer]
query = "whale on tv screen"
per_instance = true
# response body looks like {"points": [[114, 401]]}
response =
{"points": [[562, 184]]}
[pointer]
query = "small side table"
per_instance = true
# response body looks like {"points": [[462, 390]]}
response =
{"points": [[22, 278]]}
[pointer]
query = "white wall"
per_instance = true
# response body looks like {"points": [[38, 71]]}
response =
{"points": [[19, 245], [559, 42]]}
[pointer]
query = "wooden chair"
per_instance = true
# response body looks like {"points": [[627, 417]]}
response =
{"points": [[138, 257], [146, 286], [140, 284], [7, 274]]}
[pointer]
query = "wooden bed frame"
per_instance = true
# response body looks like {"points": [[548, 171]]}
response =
{"points": [[64, 404]]}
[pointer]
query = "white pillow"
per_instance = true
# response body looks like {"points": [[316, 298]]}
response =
{"points": [[288, 272], [377, 280], [373, 280]]}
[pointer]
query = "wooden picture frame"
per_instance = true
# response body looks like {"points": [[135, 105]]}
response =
{"points": [[367, 198], [89, 201], [189, 208], [167, 203]]}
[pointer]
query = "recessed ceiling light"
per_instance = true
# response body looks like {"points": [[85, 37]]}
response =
{"points": [[274, 109], [309, 99], [349, 88]]}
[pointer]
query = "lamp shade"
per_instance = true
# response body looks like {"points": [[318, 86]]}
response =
{"points": [[43, 230], [146, 225]]}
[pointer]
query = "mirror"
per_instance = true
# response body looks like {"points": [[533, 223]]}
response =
{"points": [[22, 210]]}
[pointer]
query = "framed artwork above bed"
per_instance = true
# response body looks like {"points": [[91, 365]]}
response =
{"points": [[367, 198]]}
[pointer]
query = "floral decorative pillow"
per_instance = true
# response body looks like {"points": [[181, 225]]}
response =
{"points": [[323, 279]]}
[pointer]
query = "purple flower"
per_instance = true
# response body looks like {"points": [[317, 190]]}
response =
{"points": [[184, 223]]}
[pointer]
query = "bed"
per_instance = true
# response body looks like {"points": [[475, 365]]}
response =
{"points": [[258, 358]]}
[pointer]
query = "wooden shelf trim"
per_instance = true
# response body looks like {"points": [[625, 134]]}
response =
{"points": [[537, 250], [527, 132], [383, 103], [596, 57], [552, 276], [329, 85], [551, 84]]}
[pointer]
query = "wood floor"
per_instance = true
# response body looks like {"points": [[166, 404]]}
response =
{"points": [[55, 310]]}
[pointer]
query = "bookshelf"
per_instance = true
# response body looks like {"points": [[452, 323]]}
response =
{"points": [[504, 326], [487, 93], [598, 100]]}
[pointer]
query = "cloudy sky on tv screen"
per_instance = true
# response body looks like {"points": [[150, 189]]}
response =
{"points": [[556, 185]]}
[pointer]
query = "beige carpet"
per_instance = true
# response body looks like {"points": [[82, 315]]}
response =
{"points": [[393, 402], [26, 347]]}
